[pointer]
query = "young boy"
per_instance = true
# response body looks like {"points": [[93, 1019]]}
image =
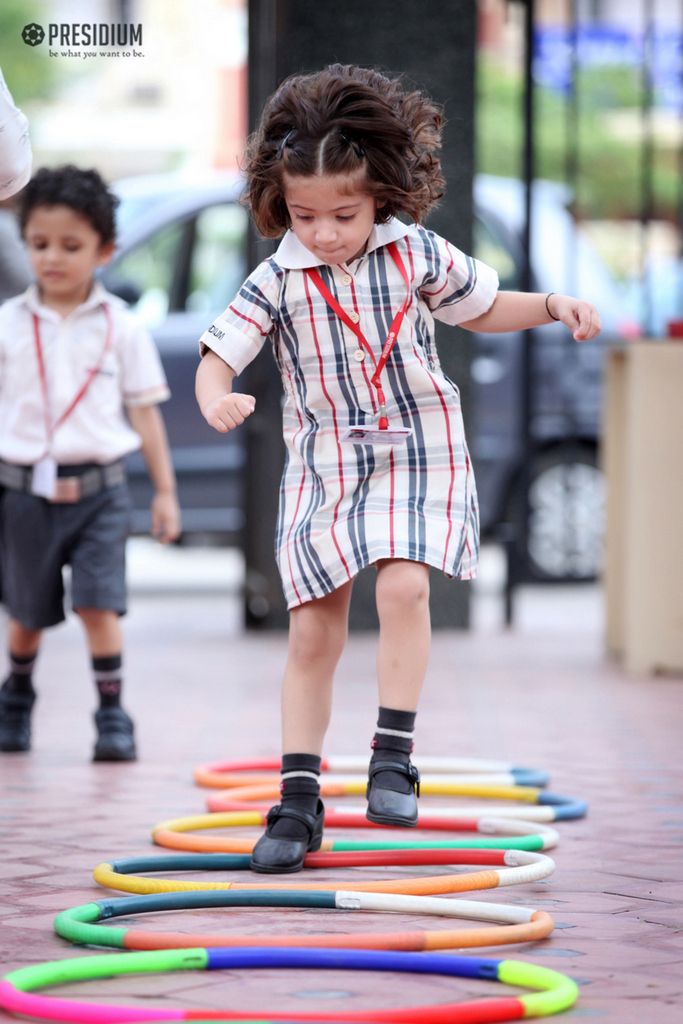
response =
{"points": [[71, 357]]}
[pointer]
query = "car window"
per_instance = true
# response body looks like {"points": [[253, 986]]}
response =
{"points": [[490, 249], [146, 275], [218, 262]]}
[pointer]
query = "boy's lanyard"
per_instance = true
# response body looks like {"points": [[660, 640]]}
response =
{"points": [[391, 336], [50, 426]]}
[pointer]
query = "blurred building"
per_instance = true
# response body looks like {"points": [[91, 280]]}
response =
{"points": [[177, 101]]}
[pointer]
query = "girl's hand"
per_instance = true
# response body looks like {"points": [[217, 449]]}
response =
{"points": [[228, 411], [165, 517], [582, 318]]}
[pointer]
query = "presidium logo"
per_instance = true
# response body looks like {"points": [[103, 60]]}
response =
{"points": [[33, 34], [83, 34]]}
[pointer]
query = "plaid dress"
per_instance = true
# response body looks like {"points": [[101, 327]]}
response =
{"points": [[344, 506]]}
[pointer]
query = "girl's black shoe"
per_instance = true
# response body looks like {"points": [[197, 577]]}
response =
{"points": [[386, 806], [281, 855]]}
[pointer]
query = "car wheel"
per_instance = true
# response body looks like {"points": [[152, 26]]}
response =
{"points": [[565, 539]]}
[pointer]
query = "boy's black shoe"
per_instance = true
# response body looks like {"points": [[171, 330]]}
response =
{"points": [[386, 806], [115, 740], [15, 719], [275, 856]]}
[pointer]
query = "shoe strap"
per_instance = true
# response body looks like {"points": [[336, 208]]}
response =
{"points": [[409, 770], [283, 811], [10, 701]]}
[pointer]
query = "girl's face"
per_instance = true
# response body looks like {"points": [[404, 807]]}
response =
{"points": [[65, 250], [330, 216]]}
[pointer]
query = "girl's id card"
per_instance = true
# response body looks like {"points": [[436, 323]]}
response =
{"points": [[373, 435]]}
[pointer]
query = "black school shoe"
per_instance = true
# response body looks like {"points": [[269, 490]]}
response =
{"points": [[115, 740], [275, 855], [15, 719], [386, 806]]}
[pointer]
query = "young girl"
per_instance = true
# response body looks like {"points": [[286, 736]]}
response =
{"points": [[377, 469]]}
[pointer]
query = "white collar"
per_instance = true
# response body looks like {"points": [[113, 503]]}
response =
{"points": [[291, 254], [98, 297]]}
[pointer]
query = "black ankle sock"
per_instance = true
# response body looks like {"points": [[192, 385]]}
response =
{"points": [[393, 741], [19, 679], [107, 672], [297, 790]]}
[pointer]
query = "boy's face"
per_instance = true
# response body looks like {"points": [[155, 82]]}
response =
{"points": [[330, 215], [65, 250]]}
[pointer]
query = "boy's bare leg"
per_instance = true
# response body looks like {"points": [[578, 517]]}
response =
{"points": [[317, 635], [17, 695], [22, 641], [404, 632], [115, 740], [103, 629]]}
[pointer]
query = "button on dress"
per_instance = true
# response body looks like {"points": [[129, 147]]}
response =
{"points": [[345, 506]]}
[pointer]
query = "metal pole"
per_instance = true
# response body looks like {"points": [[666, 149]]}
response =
{"points": [[646, 195], [571, 163], [679, 197], [264, 604], [517, 549]]}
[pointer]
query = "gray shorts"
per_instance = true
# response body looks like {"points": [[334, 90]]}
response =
{"points": [[38, 538]]}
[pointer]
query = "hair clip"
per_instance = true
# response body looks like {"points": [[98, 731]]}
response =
{"points": [[281, 147], [355, 146]]}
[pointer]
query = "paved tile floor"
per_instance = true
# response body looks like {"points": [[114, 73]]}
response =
{"points": [[200, 690]]}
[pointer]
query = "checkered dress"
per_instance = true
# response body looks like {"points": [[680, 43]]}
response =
{"points": [[344, 506]]}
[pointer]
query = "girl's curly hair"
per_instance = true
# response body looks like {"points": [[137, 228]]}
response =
{"points": [[345, 120]]}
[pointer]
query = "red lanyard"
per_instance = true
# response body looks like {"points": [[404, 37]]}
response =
{"points": [[51, 427], [391, 336]]}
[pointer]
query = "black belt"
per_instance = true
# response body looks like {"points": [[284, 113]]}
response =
{"points": [[85, 482]]}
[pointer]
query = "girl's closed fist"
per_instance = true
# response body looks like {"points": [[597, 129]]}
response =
{"points": [[228, 411], [581, 317]]}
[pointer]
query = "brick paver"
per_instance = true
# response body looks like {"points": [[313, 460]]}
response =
{"points": [[202, 691]]}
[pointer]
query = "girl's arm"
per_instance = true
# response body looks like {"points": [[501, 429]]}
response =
{"points": [[517, 311], [146, 420], [221, 409]]}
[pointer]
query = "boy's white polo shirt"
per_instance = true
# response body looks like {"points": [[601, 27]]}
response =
{"points": [[97, 429]]}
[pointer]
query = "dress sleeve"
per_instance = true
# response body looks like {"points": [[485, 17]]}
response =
{"points": [[457, 287], [143, 380], [15, 146], [238, 334]]}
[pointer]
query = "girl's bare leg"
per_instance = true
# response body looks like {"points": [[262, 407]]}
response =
{"points": [[317, 635], [404, 632], [404, 640]]}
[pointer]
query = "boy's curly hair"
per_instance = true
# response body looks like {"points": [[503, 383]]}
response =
{"points": [[85, 192], [345, 120]]}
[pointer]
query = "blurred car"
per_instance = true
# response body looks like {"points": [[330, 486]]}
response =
{"points": [[566, 498], [181, 256]]}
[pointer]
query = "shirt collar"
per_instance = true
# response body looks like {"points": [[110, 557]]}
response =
{"points": [[98, 297], [292, 255]]}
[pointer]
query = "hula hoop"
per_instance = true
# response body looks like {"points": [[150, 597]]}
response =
{"points": [[519, 835], [355, 813], [558, 992], [516, 867], [564, 807], [514, 924], [220, 774]]}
